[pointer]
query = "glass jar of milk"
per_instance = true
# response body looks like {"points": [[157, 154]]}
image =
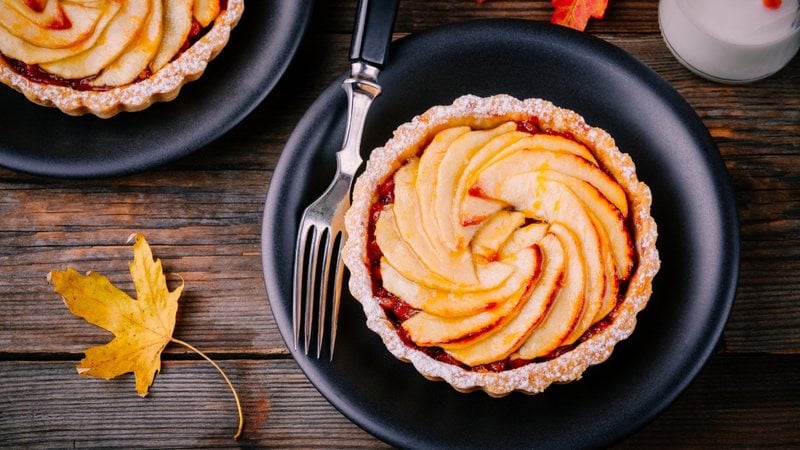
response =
{"points": [[730, 41]]}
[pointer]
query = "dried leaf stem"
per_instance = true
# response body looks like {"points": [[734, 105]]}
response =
{"points": [[235, 395]]}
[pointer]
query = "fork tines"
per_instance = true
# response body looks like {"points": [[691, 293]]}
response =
{"points": [[314, 289]]}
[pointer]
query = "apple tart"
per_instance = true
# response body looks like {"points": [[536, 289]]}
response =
{"points": [[106, 56], [501, 244]]}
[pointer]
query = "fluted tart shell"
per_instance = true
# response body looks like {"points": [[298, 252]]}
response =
{"points": [[388, 166], [161, 86]]}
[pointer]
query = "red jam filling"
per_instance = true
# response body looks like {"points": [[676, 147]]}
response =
{"points": [[531, 125], [36, 5], [60, 22], [38, 75], [398, 311]]}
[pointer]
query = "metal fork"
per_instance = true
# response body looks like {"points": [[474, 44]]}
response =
{"points": [[321, 232]]}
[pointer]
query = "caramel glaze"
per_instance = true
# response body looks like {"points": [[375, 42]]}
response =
{"points": [[398, 311]]}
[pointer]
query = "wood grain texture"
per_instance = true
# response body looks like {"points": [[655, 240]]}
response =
{"points": [[188, 406], [419, 15], [737, 401], [202, 215]]}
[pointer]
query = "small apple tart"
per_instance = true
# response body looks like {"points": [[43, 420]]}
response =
{"points": [[501, 244], [106, 56]]}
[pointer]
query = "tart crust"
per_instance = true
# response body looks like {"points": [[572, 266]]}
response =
{"points": [[478, 112], [162, 86]]}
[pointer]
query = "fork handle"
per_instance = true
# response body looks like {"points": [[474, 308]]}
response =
{"points": [[373, 31], [368, 53], [361, 90]]}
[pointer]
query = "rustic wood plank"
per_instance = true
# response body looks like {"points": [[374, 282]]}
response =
{"points": [[414, 16], [47, 405], [765, 313], [224, 306], [732, 403], [737, 401]]}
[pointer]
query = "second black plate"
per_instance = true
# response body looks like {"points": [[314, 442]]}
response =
{"points": [[45, 141], [693, 206]]}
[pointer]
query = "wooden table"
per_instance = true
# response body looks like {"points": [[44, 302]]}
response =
{"points": [[202, 215]]}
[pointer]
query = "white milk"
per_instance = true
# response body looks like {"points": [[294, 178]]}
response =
{"points": [[730, 41]]}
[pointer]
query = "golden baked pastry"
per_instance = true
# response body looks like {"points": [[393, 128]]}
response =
{"points": [[107, 56], [501, 244]]}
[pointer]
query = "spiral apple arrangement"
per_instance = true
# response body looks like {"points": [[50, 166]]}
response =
{"points": [[503, 243], [500, 244], [103, 43]]}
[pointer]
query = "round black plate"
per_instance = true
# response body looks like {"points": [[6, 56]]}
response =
{"points": [[693, 206], [45, 141]]}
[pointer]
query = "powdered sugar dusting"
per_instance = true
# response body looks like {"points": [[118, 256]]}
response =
{"points": [[164, 85], [485, 113]]}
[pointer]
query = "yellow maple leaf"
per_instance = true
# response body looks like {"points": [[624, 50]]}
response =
{"points": [[142, 327]]}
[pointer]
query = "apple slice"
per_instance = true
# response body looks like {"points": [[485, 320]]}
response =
{"points": [[567, 306], [454, 304], [494, 232], [593, 301], [414, 219], [205, 11], [542, 142], [554, 203], [452, 165], [124, 29], [430, 330], [502, 343], [528, 142], [611, 290], [473, 211], [425, 182], [400, 255], [177, 25], [565, 163], [135, 59], [17, 48], [609, 218], [470, 209], [56, 26], [427, 329], [526, 236], [556, 143]]}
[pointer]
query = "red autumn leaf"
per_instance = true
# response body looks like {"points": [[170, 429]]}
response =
{"points": [[576, 13]]}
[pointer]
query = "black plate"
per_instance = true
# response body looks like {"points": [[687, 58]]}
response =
{"points": [[693, 206], [45, 141]]}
